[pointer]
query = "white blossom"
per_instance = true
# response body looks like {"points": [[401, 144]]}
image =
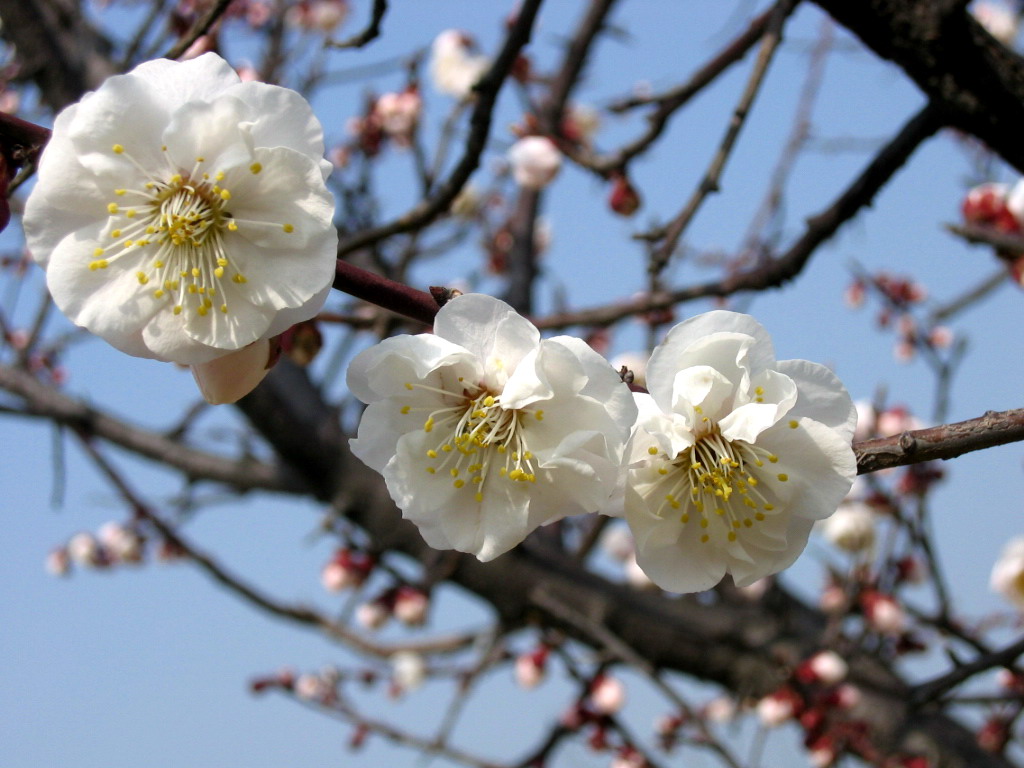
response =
{"points": [[851, 528], [535, 161], [828, 667], [484, 432], [734, 456], [408, 670], [182, 214], [122, 543], [1008, 573], [372, 615], [398, 114], [607, 695], [83, 549], [454, 66]]}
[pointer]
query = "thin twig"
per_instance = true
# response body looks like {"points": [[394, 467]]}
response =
{"points": [[480, 127], [200, 28], [710, 183], [370, 33]]}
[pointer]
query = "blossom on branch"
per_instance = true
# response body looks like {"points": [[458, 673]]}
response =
{"points": [[483, 431], [735, 455], [1008, 573], [182, 214]]}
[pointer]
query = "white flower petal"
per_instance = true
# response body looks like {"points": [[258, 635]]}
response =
{"points": [[229, 378], [822, 396], [200, 79], [211, 130]]}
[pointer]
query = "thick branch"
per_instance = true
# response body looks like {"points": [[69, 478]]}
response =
{"points": [[976, 82]]}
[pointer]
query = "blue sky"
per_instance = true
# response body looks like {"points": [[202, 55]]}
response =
{"points": [[149, 665]]}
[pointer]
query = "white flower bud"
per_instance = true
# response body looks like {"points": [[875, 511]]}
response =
{"points": [[372, 615], [851, 528], [410, 606], [83, 549], [828, 667], [607, 695], [535, 161], [408, 670]]}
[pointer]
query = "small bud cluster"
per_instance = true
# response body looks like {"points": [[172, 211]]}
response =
{"points": [[114, 544]]}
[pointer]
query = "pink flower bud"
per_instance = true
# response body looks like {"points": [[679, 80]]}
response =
{"points": [[121, 543], [833, 599], [531, 668], [827, 668], [372, 615], [58, 563], [883, 613], [607, 695], [623, 199], [776, 708], [83, 549], [410, 606]]}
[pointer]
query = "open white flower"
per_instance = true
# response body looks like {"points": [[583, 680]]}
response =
{"points": [[484, 432], [454, 65], [734, 456], [182, 214], [535, 161], [1008, 573]]}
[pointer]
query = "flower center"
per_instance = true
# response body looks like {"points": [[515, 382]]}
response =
{"points": [[176, 230], [479, 439], [718, 482]]}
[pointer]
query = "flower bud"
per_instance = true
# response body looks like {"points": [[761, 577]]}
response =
{"points": [[408, 671], [607, 695], [883, 613], [410, 606], [83, 549], [58, 563], [372, 615], [535, 161], [229, 378], [623, 199], [850, 528], [531, 668]]}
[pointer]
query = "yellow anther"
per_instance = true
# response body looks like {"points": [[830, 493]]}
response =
{"points": [[732, 535], [408, 386], [454, 471], [176, 178], [772, 458], [684, 518], [719, 511], [192, 289], [101, 264], [759, 516], [405, 409], [516, 474], [459, 483], [112, 208], [502, 472], [752, 480], [118, 149], [769, 507], [288, 228], [232, 226], [97, 252], [502, 449], [218, 272], [222, 262], [116, 233], [130, 213], [793, 424], [432, 454], [479, 497], [653, 451], [748, 523], [703, 522], [431, 470], [662, 471], [783, 477], [142, 278], [527, 456], [203, 310], [539, 415], [219, 176], [447, 448], [224, 309], [158, 293], [704, 539], [488, 401], [177, 309], [428, 425], [120, 192], [200, 159], [255, 167], [758, 390], [225, 194], [238, 278], [128, 243]]}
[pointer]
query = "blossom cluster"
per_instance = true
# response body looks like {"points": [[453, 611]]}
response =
{"points": [[484, 431], [200, 230]]}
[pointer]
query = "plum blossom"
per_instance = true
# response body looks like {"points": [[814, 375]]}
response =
{"points": [[535, 161], [454, 65], [998, 19], [851, 528], [735, 455], [483, 431], [1008, 573], [182, 214], [398, 114], [408, 671]]}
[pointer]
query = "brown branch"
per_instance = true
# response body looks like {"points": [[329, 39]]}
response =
{"points": [[386, 293], [777, 271], [977, 82], [943, 442], [242, 474], [370, 33], [935, 689], [480, 127], [200, 28]]}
